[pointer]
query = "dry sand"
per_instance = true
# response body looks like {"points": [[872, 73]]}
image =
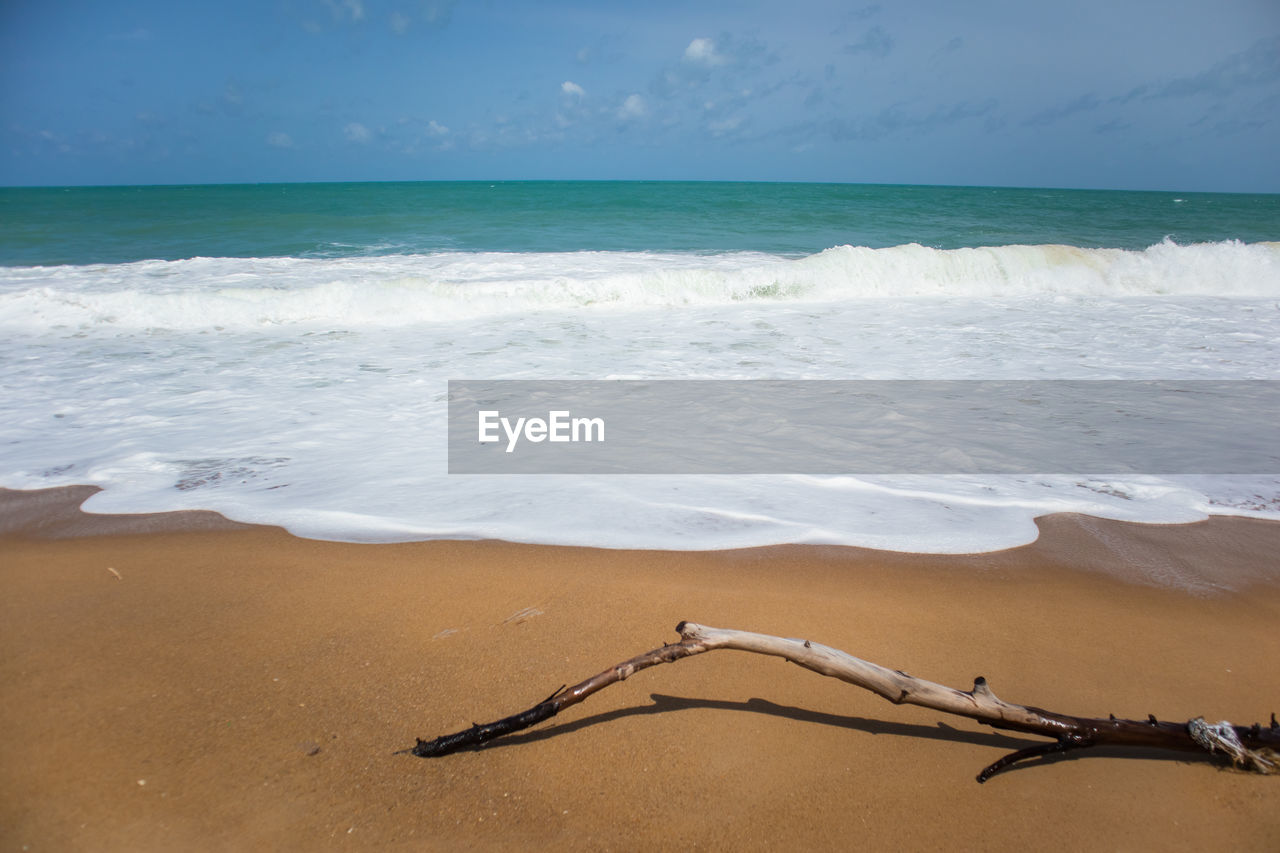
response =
{"points": [[235, 688]]}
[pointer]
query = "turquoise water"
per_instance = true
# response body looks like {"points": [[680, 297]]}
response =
{"points": [[84, 225]]}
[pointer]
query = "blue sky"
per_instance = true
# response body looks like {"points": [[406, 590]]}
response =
{"points": [[1177, 94]]}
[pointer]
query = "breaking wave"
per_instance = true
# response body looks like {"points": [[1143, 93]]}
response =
{"points": [[445, 287]]}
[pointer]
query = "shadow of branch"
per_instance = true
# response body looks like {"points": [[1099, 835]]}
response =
{"points": [[664, 704]]}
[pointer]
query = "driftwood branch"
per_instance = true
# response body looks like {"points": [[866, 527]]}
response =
{"points": [[1250, 747]]}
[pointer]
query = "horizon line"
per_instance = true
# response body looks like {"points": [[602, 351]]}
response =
{"points": [[496, 181]]}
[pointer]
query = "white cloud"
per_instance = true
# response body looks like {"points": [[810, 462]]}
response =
{"points": [[53, 140], [724, 126], [438, 14], [353, 9], [278, 139], [399, 23], [435, 128], [573, 89], [706, 59], [633, 107], [357, 132], [703, 51]]}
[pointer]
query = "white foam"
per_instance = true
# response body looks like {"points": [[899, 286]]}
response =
{"points": [[253, 293], [310, 393]]}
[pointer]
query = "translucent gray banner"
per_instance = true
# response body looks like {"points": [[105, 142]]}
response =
{"points": [[864, 427]]}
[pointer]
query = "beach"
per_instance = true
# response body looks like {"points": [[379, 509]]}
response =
{"points": [[178, 681]]}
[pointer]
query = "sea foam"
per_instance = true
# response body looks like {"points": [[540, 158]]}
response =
{"points": [[310, 393], [253, 293]]}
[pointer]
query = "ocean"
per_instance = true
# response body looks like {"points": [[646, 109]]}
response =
{"points": [[281, 353]]}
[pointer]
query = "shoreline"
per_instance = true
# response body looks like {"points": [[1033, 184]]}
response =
{"points": [[1217, 554], [234, 687]]}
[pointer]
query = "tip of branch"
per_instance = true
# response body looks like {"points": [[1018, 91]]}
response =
{"points": [[680, 627], [1222, 737]]}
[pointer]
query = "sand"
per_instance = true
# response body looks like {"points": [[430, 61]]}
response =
{"points": [[225, 687]]}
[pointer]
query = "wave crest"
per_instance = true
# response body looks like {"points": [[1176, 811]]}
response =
{"points": [[445, 287]]}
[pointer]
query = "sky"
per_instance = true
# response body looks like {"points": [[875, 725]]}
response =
{"points": [[1125, 94]]}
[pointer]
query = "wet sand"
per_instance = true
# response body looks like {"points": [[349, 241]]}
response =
{"points": [[186, 683]]}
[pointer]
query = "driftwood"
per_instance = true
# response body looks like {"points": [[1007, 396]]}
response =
{"points": [[1253, 747]]}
